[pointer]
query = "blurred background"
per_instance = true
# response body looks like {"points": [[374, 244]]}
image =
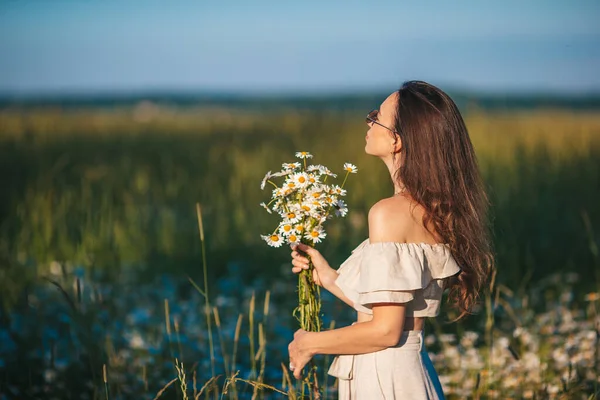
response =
{"points": [[117, 119]]}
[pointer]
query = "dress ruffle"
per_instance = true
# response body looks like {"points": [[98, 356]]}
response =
{"points": [[393, 272]]}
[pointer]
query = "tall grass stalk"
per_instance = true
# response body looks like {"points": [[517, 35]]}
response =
{"points": [[178, 336], [194, 382], [236, 340], [206, 294], [182, 378], [262, 338], [145, 377], [207, 385], [164, 388], [251, 306], [105, 378], [168, 328], [490, 306], [221, 340], [262, 351]]}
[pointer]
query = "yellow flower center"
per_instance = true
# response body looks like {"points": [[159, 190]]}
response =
{"points": [[316, 194], [291, 185], [275, 238], [302, 179], [300, 228], [312, 180], [306, 208], [291, 215], [293, 238], [314, 234], [287, 228]]}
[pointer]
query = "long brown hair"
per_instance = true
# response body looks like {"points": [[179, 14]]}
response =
{"points": [[439, 169]]}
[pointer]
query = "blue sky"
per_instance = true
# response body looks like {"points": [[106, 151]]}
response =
{"points": [[258, 46]]}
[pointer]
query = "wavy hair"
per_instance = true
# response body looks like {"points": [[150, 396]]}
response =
{"points": [[439, 169]]}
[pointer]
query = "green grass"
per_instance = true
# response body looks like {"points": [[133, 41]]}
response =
{"points": [[102, 189]]}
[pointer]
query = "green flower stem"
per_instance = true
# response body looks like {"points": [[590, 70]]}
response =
{"points": [[346, 177], [308, 312]]}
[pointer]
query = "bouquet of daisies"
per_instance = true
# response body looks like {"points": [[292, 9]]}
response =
{"points": [[304, 200]]}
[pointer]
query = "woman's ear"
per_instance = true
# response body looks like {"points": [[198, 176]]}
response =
{"points": [[397, 145]]}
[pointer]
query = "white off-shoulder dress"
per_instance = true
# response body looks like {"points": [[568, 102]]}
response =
{"points": [[392, 272]]}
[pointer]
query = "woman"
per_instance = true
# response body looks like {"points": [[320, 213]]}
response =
{"points": [[430, 235]]}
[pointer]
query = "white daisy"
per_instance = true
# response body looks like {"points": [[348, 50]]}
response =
{"points": [[313, 179], [293, 239], [326, 171], [290, 184], [341, 209], [299, 229], [351, 168], [265, 179], [266, 207], [316, 234], [314, 193], [291, 166], [337, 190], [292, 216], [307, 207], [314, 167], [331, 199], [281, 192], [303, 154], [319, 207], [278, 206], [273, 240], [286, 228], [300, 179], [316, 203]]}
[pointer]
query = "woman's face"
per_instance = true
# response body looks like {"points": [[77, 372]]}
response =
{"points": [[380, 140]]}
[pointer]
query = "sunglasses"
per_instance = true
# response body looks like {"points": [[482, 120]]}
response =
{"points": [[372, 118]]}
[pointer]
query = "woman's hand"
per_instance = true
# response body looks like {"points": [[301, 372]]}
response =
{"points": [[299, 353], [323, 274]]}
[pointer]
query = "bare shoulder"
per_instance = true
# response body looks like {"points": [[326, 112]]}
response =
{"points": [[397, 219], [388, 219]]}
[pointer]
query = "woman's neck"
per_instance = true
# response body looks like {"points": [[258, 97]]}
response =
{"points": [[392, 168]]}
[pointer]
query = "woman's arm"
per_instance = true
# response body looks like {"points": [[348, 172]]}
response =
{"points": [[383, 331]]}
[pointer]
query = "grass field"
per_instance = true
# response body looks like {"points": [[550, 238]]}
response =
{"points": [[102, 202]]}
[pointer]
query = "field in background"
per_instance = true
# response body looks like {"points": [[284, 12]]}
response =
{"points": [[107, 197]]}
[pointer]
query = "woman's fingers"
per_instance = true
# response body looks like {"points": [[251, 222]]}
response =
{"points": [[299, 264], [307, 249], [297, 256]]}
